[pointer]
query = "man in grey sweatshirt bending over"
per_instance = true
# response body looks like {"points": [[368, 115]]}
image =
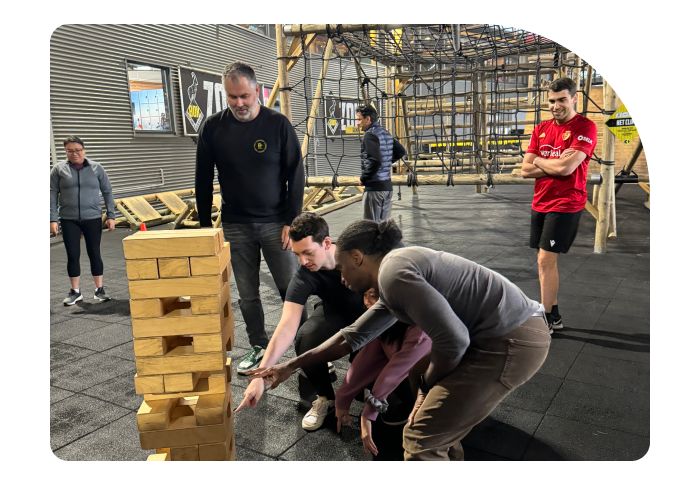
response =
{"points": [[488, 336]]}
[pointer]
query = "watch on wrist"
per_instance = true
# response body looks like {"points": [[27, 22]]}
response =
{"points": [[424, 388]]}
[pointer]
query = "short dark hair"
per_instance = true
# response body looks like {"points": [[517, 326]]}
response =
{"points": [[368, 111], [236, 70], [309, 224], [370, 237], [72, 139], [562, 84]]}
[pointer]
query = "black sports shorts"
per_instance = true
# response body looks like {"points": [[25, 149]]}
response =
{"points": [[553, 232]]}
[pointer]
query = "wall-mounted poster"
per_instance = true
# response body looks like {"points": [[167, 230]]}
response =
{"points": [[202, 95], [339, 116]]}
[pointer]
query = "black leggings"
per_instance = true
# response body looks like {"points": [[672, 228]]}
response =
{"points": [[92, 229]]}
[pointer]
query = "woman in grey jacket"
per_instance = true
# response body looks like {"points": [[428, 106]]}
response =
{"points": [[75, 199]]}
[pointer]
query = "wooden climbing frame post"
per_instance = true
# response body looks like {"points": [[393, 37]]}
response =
{"points": [[607, 191]]}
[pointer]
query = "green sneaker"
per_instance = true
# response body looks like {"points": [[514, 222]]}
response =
{"points": [[251, 360]]}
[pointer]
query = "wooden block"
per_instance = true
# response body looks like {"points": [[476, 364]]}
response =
{"points": [[175, 287], [212, 409], [209, 343], [148, 384], [179, 323], [183, 431], [155, 415], [209, 383], [165, 456], [155, 346], [142, 269], [223, 451], [186, 453], [172, 201], [143, 211], [173, 243], [150, 307], [210, 304], [211, 265], [181, 382], [173, 267], [180, 359]]}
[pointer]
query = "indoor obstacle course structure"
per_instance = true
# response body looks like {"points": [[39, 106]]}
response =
{"points": [[182, 323], [462, 99]]}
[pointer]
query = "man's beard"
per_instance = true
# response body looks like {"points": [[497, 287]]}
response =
{"points": [[243, 118]]}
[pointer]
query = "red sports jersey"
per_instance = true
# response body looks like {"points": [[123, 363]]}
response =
{"points": [[563, 194]]}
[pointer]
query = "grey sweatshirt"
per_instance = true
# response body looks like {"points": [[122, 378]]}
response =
{"points": [[76, 194], [450, 298]]}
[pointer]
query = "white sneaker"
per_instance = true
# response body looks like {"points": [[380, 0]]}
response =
{"points": [[320, 408]]}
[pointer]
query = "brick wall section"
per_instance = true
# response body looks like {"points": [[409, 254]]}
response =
{"points": [[622, 152]]}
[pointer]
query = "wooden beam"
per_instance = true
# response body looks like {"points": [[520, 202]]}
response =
{"points": [[607, 189], [282, 74], [317, 98], [592, 209], [433, 179], [337, 205], [296, 52], [298, 29]]}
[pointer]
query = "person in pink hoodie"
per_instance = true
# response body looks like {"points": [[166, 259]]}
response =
{"points": [[386, 361]]}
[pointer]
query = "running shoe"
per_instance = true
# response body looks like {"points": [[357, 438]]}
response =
{"points": [[554, 322], [320, 408], [251, 360], [100, 294], [73, 297]]}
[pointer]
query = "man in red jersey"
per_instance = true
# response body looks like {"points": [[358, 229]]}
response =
{"points": [[558, 157]]}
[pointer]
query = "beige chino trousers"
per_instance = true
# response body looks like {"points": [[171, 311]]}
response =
{"points": [[490, 369]]}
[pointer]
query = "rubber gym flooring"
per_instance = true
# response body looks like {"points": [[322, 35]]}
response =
{"points": [[590, 400]]}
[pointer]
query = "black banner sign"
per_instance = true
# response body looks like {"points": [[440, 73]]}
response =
{"points": [[339, 116], [202, 95]]}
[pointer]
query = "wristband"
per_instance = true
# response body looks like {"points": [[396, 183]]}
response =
{"points": [[424, 388]]}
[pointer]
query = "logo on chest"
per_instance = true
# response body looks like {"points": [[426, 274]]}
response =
{"points": [[549, 151], [260, 146], [566, 136]]}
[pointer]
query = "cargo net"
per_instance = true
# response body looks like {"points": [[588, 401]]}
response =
{"points": [[462, 99]]}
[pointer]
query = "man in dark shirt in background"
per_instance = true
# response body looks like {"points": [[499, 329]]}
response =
{"points": [[378, 151], [258, 159]]}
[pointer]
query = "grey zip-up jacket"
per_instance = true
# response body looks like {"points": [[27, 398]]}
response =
{"points": [[76, 194]]}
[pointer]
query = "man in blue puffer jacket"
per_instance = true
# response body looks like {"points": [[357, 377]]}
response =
{"points": [[379, 150]]}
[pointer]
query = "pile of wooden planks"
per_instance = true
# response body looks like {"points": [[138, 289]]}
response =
{"points": [[182, 322]]}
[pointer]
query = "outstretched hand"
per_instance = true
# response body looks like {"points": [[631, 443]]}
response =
{"points": [[273, 375], [367, 442], [252, 395]]}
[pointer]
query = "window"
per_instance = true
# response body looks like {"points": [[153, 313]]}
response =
{"points": [[264, 29], [150, 98]]}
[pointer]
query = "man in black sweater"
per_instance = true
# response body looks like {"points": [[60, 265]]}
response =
{"points": [[258, 159], [378, 151]]}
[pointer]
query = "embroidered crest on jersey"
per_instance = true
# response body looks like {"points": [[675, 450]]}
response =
{"points": [[260, 146], [566, 135]]}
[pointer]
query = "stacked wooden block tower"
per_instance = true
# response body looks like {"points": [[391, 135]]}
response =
{"points": [[182, 321]]}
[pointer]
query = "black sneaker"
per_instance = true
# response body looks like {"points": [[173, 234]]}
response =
{"points": [[100, 294], [73, 297], [554, 322]]}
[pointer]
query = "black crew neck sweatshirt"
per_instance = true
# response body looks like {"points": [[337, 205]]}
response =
{"points": [[259, 165]]}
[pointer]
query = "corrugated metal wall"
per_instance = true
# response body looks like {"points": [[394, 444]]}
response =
{"points": [[343, 153], [90, 94]]}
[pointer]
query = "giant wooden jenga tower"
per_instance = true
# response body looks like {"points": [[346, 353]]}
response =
{"points": [[179, 284]]}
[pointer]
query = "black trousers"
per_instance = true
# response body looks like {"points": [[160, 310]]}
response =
{"points": [[315, 331], [92, 229]]}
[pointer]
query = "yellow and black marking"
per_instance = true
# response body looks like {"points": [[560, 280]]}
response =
{"points": [[260, 146]]}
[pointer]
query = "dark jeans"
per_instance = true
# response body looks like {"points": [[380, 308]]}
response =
{"points": [[92, 229], [315, 331], [247, 240]]}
